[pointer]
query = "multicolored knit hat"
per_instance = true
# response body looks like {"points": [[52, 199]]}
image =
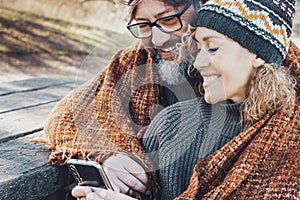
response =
{"points": [[262, 26]]}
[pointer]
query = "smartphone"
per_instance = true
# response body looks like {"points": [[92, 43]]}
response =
{"points": [[89, 173]]}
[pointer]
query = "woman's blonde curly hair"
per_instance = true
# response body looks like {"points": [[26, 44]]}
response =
{"points": [[271, 89]]}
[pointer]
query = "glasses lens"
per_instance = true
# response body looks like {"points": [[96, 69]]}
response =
{"points": [[169, 24], [140, 30]]}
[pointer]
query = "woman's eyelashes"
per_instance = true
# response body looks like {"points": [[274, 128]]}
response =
{"points": [[212, 47], [213, 50], [209, 49]]}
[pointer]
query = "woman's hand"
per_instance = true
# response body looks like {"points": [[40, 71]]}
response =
{"points": [[92, 193], [125, 174]]}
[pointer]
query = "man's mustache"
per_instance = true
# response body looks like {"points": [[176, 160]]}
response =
{"points": [[166, 45]]}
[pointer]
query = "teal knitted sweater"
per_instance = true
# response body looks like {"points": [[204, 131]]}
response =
{"points": [[182, 134]]}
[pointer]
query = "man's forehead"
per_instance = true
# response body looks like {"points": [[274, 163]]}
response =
{"points": [[154, 7]]}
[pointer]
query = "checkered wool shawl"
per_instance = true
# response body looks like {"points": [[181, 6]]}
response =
{"points": [[105, 114], [109, 113]]}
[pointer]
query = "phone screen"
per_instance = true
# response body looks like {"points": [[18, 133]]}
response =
{"points": [[89, 173]]}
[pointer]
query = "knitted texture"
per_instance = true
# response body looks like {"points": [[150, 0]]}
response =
{"points": [[184, 133], [91, 120], [262, 162], [108, 114], [85, 123], [264, 27]]}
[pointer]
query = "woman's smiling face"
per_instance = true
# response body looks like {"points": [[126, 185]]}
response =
{"points": [[225, 66]]}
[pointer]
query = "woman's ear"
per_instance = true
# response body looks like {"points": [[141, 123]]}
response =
{"points": [[258, 62]]}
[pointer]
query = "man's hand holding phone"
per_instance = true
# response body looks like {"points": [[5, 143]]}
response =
{"points": [[125, 174], [119, 173]]}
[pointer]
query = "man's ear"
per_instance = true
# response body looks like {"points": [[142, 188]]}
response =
{"points": [[258, 62]]}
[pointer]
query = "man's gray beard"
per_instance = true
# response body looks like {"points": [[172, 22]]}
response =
{"points": [[172, 73]]}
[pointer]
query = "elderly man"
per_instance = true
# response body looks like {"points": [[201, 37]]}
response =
{"points": [[109, 114]]}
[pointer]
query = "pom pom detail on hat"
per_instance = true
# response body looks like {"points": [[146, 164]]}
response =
{"points": [[262, 26]]}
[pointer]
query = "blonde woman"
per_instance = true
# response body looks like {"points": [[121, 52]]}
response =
{"points": [[243, 135]]}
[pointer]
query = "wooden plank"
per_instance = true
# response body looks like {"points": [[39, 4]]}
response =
{"points": [[25, 107], [7, 88], [21, 122], [16, 101], [25, 172]]}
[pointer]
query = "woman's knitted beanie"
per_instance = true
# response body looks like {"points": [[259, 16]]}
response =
{"points": [[262, 26]]}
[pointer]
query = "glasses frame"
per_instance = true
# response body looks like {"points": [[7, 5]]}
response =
{"points": [[151, 24]]}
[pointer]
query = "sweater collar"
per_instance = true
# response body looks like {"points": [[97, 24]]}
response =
{"points": [[222, 111]]}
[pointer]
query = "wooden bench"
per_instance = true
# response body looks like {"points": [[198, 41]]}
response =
{"points": [[25, 172]]}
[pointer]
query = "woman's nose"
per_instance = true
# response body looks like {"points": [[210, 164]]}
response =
{"points": [[202, 60], [159, 37]]}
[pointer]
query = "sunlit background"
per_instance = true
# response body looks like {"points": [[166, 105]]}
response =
{"points": [[59, 37]]}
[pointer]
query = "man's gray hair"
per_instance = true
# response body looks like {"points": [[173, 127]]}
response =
{"points": [[176, 3]]}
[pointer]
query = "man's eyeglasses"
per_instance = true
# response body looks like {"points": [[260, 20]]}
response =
{"points": [[167, 24]]}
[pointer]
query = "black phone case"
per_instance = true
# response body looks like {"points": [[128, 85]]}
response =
{"points": [[89, 173]]}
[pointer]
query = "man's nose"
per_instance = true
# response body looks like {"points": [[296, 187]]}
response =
{"points": [[202, 60], [159, 37]]}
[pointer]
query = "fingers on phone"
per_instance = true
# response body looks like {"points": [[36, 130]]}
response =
{"points": [[120, 186], [132, 182], [137, 171], [125, 173], [81, 191]]}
